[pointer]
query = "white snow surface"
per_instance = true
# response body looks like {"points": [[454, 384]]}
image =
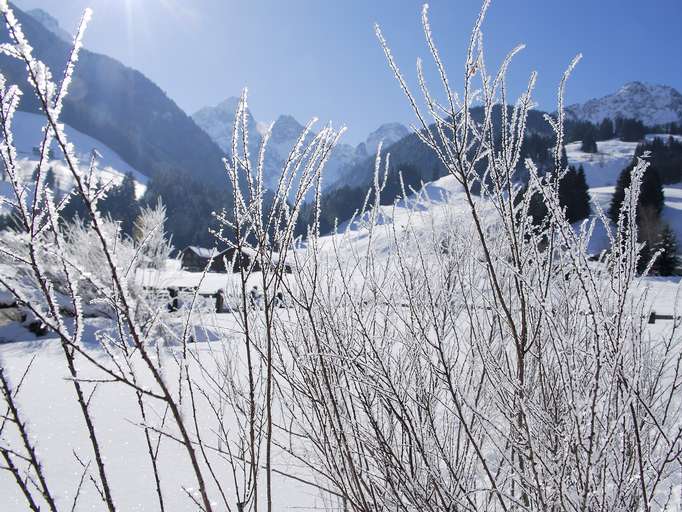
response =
{"points": [[57, 427], [602, 168], [111, 168], [59, 432]]}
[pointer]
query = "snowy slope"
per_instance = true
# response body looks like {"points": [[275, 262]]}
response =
{"points": [[601, 173], [111, 167], [604, 167], [651, 104], [58, 428]]}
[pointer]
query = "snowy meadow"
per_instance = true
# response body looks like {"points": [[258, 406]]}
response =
{"points": [[445, 352]]}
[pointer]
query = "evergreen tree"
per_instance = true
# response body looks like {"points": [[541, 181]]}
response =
{"points": [[618, 197], [9, 222], [537, 209], [667, 261], [564, 159], [589, 143], [605, 130], [647, 215], [50, 179], [574, 195], [650, 195], [665, 154], [190, 203], [651, 192], [577, 130], [120, 204], [630, 130]]}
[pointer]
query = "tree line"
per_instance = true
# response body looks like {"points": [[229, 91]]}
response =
{"points": [[656, 235], [191, 203]]}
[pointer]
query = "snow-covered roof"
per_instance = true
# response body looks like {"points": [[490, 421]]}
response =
{"points": [[249, 251], [203, 252]]}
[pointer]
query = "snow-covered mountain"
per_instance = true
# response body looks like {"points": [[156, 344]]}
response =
{"points": [[389, 133], [50, 23], [651, 104], [111, 168], [218, 121], [285, 132]]}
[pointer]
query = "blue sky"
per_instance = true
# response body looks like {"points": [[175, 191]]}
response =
{"points": [[321, 58]]}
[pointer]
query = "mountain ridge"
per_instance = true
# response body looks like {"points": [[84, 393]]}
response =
{"points": [[653, 104], [218, 121], [50, 23], [119, 106]]}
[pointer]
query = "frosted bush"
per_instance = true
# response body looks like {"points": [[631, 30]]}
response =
{"points": [[460, 357], [151, 238]]}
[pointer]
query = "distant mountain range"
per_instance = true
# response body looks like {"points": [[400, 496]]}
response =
{"points": [[651, 104], [132, 116], [218, 122]]}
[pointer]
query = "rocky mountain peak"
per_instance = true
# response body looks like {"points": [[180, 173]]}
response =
{"points": [[650, 103]]}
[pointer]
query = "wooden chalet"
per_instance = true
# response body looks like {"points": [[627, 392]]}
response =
{"points": [[195, 259], [239, 261]]}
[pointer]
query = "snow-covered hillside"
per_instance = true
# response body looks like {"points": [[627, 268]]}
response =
{"points": [[58, 429], [601, 173], [651, 104], [602, 168], [111, 168]]}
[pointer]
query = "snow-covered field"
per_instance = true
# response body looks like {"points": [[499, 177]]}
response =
{"points": [[111, 168], [47, 397], [603, 168], [57, 427], [59, 433]]}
